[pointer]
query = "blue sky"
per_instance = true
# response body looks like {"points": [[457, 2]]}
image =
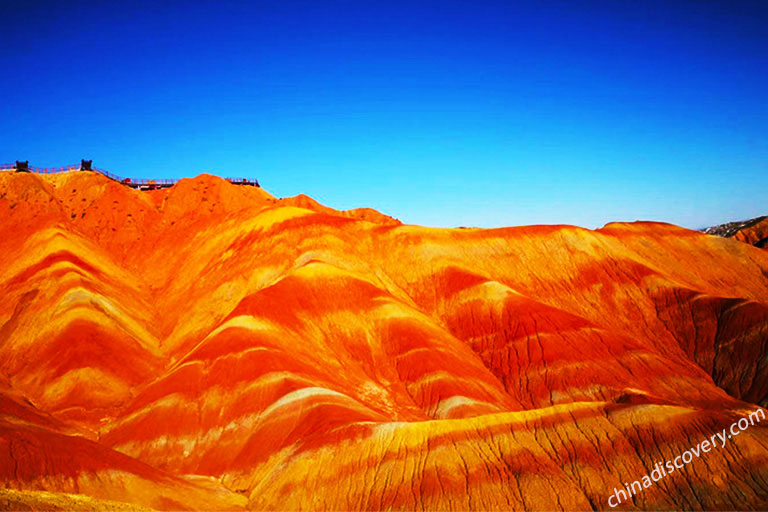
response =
{"points": [[439, 113]]}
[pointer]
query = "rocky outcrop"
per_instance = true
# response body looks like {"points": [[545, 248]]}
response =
{"points": [[752, 231]]}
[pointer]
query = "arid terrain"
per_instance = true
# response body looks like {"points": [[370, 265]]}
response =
{"points": [[752, 231], [209, 346]]}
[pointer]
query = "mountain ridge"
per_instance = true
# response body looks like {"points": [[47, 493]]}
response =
{"points": [[286, 352]]}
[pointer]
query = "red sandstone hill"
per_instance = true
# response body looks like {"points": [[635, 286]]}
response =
{"points": [[210, 347]]}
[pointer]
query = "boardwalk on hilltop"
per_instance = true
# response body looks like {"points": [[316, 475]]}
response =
{"points": [[139, 184]]}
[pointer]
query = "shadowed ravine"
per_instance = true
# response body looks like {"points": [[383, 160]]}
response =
{"points": [[209, 346]]}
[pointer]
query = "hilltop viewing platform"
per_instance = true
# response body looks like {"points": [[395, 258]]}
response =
{"points": [[136, 183]]}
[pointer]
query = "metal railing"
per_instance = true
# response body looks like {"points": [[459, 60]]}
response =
{"points": [[139, 183], [43, 170]]}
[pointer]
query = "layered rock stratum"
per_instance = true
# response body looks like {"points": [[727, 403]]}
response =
{"points": [[211, 347]]}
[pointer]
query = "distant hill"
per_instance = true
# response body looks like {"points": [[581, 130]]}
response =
{"points": [[752, 231]]}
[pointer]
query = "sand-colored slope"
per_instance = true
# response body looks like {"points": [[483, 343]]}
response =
{"points": [[303, 357]]}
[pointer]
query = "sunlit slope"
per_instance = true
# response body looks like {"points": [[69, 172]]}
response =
{"points": [[295, 356], [37, 452]]}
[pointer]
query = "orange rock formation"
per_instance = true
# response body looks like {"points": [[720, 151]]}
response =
{"points": [[751, 231], [756, 234], [211, 347]]}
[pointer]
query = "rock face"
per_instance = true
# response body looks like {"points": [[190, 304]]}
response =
{"points": [[752, 231], [209, 346]]}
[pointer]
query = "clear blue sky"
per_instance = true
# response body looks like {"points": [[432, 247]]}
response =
{"points": [[439, 113]]}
